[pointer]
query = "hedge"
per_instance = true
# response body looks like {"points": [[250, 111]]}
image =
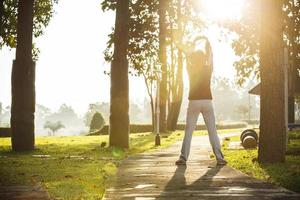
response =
{"points": [[5, 132], [143, 128]]}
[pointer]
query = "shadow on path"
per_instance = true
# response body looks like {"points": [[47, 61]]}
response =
{"points": [[153, 175], [179, 183]]}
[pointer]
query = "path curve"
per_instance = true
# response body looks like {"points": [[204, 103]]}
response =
{"points": [[154, 175]]}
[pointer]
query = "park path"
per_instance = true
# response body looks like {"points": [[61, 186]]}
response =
{"points": [[154, 175], [23, 193]]}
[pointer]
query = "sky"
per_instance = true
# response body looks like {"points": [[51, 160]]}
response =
{"points": [[71, 64]]}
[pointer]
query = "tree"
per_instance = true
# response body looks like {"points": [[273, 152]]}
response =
{"points": [[243, 110], [102, 108], [298, 108], [247, 45], [292, 32], [144, 50], [272, 137], [1, 108], [43, 11], [19, 20], [53, 126], [66, 115], [97, 122], [143, 43], [23, 79], [176, 80], [119, 93], [1, 113], [162, 12]]}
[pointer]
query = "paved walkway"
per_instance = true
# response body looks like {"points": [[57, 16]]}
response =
{"points": [[154, 176], [23, 193]]}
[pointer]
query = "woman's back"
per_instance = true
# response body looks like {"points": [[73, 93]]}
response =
{"points": [[199, 76]]}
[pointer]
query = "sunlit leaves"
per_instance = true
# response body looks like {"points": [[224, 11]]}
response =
{"points": [[246, 46], [143, 35], [109, 5]]}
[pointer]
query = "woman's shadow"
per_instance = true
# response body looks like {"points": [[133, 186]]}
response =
{"points": [[177, 186]]}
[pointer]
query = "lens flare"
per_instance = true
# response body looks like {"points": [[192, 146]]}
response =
{"points": [[219, 10]]}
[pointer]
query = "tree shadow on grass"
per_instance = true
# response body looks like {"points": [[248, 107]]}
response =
{"points": [[57, 150], [285, 174]]}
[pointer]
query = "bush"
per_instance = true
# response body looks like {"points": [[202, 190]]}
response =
{"points": [[144, 128], [97, 122], [134, 128], [5, 132]]}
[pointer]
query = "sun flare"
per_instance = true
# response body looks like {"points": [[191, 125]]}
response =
{"points": [[218, 10]]}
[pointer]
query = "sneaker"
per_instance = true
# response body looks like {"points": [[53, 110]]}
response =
{"points": [[180, 161], [221, 162]]}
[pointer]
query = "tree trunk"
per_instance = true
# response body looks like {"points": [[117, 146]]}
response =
{"points": [[273, 130], [150, 94], [1, 15], [179, 94], [23, 82], [119, 93], [152, 114], [163, 60], [292, 31], [177, 89], [172, 86], [291, 100]]}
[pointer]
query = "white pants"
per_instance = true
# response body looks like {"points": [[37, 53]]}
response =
{"points": [[204, 107]]}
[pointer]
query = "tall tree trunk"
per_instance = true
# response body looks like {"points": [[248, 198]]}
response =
{"points": [[23, 82], [172, 86], [293, 31], [119, 93], [273, 130], [152, 114], [150, 94], [1, 15], [291, 92], [163, 60], [179, 94], [178, 83]]}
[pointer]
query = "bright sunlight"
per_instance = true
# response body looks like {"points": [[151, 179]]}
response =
{"points": [[219, 10]]}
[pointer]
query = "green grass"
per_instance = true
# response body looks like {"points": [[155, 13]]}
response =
{"points": [[77, 167], [284, 174]]}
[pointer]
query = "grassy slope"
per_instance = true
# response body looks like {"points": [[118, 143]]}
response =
{"points": [[285, 174], [78, 167]]}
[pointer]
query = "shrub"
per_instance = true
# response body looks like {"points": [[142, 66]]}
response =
{"points": [[144, 128], [97, 122]]}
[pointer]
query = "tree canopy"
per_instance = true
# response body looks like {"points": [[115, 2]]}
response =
{"points": [[246, 45], [43, 11]]}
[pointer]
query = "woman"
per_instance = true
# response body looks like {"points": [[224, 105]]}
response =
{"points": [[200, 67]]}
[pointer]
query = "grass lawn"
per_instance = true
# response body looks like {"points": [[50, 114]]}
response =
{"points": [[74, 167], [285, 174]]}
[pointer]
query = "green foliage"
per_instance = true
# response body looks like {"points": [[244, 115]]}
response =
{"points": [[43, 11], [109, 5], [144, 32], [94, 108], [97, 122], [246, 46]]}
